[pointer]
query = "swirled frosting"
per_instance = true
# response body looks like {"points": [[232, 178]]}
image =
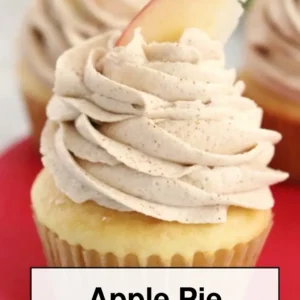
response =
{"points": [[53, 26], [273, 44], [160, 129]]}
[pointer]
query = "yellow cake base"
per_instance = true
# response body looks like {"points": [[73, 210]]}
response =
{"points": [[61, 254], [36, 97], [90, 235], [283, 115]]}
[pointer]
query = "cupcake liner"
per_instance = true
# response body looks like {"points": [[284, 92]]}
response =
{"points": [[37, 114], [280, 114], [61, 254]]}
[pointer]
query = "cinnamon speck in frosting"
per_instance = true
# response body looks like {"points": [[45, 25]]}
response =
{"points": [[141, 136]]}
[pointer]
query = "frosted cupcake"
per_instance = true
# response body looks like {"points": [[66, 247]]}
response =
{"points": [[272, 74], [153, 158], [51, 27]]}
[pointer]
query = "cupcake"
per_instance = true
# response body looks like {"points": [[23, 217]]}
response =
{"points": [[51, 27], [152, 156], [247, 3], [272, 74]]}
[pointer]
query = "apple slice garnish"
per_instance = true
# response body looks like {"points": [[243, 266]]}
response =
{"points": [[166, 20]]}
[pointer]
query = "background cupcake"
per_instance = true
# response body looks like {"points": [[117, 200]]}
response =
{"points": [[272, 74], [50, 28], [247, 3], [156, 159]]}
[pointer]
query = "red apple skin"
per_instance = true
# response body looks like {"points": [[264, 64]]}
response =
{"points": [[128, 33]]}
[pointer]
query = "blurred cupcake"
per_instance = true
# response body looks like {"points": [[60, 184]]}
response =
{"points": [[272, 74], [50, 28], [247, 3], [153, 158]]}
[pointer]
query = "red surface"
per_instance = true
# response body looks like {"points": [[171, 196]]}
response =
{"points": [[20, 248]]}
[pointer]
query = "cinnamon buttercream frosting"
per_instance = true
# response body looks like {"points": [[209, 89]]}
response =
{"points": [[273, 45], [159, 128], [53, 26]]}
